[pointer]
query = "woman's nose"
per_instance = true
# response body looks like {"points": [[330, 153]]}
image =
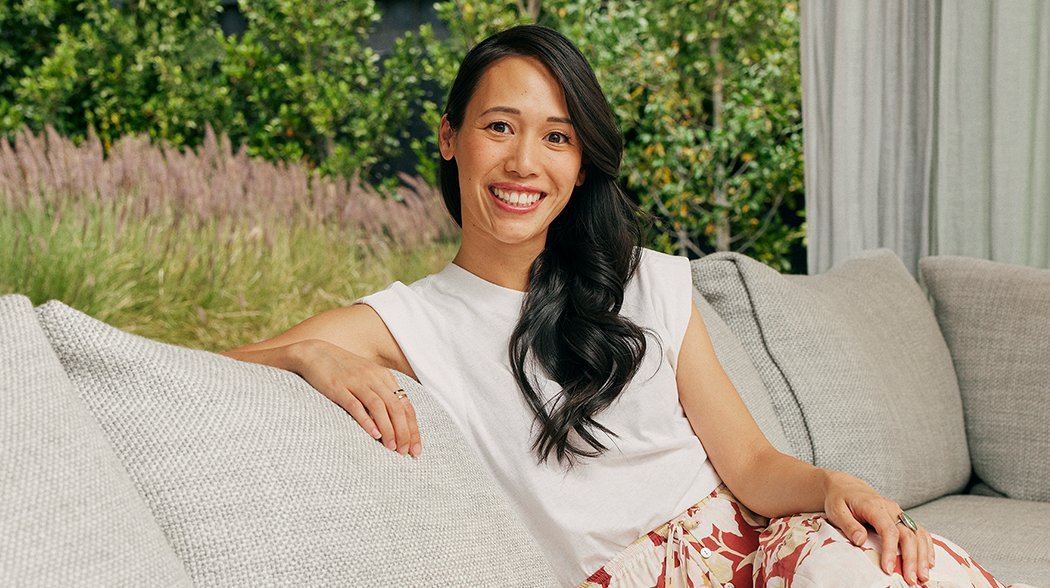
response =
{"points": [[522, 158]]}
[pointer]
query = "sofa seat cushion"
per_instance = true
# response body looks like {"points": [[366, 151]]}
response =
{"points": [[257, 479], [855, 365], [1008, 537], [70, 514], [996, 320]]}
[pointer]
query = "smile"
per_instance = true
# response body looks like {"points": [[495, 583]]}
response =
{"points": [[515, 200]]}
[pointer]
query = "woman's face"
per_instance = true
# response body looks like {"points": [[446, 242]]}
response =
{"points": [[518, 155]]}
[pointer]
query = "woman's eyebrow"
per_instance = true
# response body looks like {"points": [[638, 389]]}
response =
{"points": [[510, 110]]}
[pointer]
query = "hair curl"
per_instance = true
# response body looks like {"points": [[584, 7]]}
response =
{"points": [[570, 324]]}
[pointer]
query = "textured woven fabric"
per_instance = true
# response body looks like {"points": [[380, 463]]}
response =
{"points": [[737, 365], [1009, 538], [855, 365], [721, 285], [70, 514], [257, 479], [996, 320]]}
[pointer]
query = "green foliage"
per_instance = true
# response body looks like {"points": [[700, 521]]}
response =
{"points": [[29, 30], [140, 67], [304, 85], [301, 84], [716, 152]]}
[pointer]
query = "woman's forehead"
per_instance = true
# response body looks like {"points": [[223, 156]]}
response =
{"points": [[519, 85]]}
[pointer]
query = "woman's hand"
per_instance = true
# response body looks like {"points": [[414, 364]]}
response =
{"points": [[850, 504], [363, 388]]}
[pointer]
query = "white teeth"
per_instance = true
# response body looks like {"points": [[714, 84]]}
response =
{"points": [[517, 198]]}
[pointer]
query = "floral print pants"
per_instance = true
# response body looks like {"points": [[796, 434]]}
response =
{"points": [[719, 543]]}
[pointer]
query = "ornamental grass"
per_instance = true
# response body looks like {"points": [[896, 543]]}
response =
{"points": [[207, 248]]}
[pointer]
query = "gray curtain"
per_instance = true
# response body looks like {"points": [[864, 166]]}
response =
{"points": [[927, 129]]}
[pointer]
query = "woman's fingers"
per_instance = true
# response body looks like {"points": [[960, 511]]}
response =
{"points": [[377, 409], [417, 446], [888, 531], [912, 546], [875, 511], [932, 552], [850, 504], [402, 415], [909, 551], [396, 408], [357, 410], [922, 554], [841, 517]]}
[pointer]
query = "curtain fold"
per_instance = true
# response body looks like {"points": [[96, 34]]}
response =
{"points": [[927, 129]]}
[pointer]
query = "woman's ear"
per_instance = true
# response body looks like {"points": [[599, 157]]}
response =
{"points": [[446, 136], [581, 177]]}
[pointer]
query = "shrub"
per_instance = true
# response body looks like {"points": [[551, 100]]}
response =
{"points": [[304, 85], [142, 67]]}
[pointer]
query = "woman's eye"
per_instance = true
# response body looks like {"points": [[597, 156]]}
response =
{"points": [[558, 138], [499, 127]]}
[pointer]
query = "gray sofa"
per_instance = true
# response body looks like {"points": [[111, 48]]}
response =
{"points": [[132, 462], [939, 399]]}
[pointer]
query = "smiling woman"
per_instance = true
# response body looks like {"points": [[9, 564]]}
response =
{"points": [[579, 369]]}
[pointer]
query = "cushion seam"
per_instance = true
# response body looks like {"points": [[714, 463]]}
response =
{"points": [[41, 314], [773, 359]]}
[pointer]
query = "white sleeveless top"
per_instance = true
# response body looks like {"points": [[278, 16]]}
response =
{"points": [[454, 328]]}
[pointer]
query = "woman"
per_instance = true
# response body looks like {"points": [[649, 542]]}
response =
{"points": [[576, 363]]}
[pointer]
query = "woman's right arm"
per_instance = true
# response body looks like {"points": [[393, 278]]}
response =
{"points": [[347, 354]]}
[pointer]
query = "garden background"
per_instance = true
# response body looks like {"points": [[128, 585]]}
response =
{"points": [[208, 185]]}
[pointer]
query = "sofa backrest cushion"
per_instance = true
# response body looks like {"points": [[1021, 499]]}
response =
{"points": [[257, 479], [996, 320], [70, 514], [737, 365], [855, 365]]}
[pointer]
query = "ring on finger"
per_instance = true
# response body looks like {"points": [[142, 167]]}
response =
{"points": [[907, 521], [400, 394]]}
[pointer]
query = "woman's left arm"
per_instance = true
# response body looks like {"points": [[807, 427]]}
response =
{"points": [[774, 484]]}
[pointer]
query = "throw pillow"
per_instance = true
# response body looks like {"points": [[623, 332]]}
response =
{"points": [[257, 479], [855, 365], [71, 514], [996, 320]]}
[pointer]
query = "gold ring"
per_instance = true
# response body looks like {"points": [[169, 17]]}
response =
{"points": [[400, 393]]}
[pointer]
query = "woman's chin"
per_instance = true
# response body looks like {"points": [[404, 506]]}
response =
{"points": [[517, 237]]}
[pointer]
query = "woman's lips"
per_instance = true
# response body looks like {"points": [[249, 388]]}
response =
{"points": [[516, 199]]}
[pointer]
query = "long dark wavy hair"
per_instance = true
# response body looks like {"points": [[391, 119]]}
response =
{"points": [[570, 323]]}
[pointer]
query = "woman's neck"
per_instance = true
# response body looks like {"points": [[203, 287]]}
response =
{"points": [[499, 263]]}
